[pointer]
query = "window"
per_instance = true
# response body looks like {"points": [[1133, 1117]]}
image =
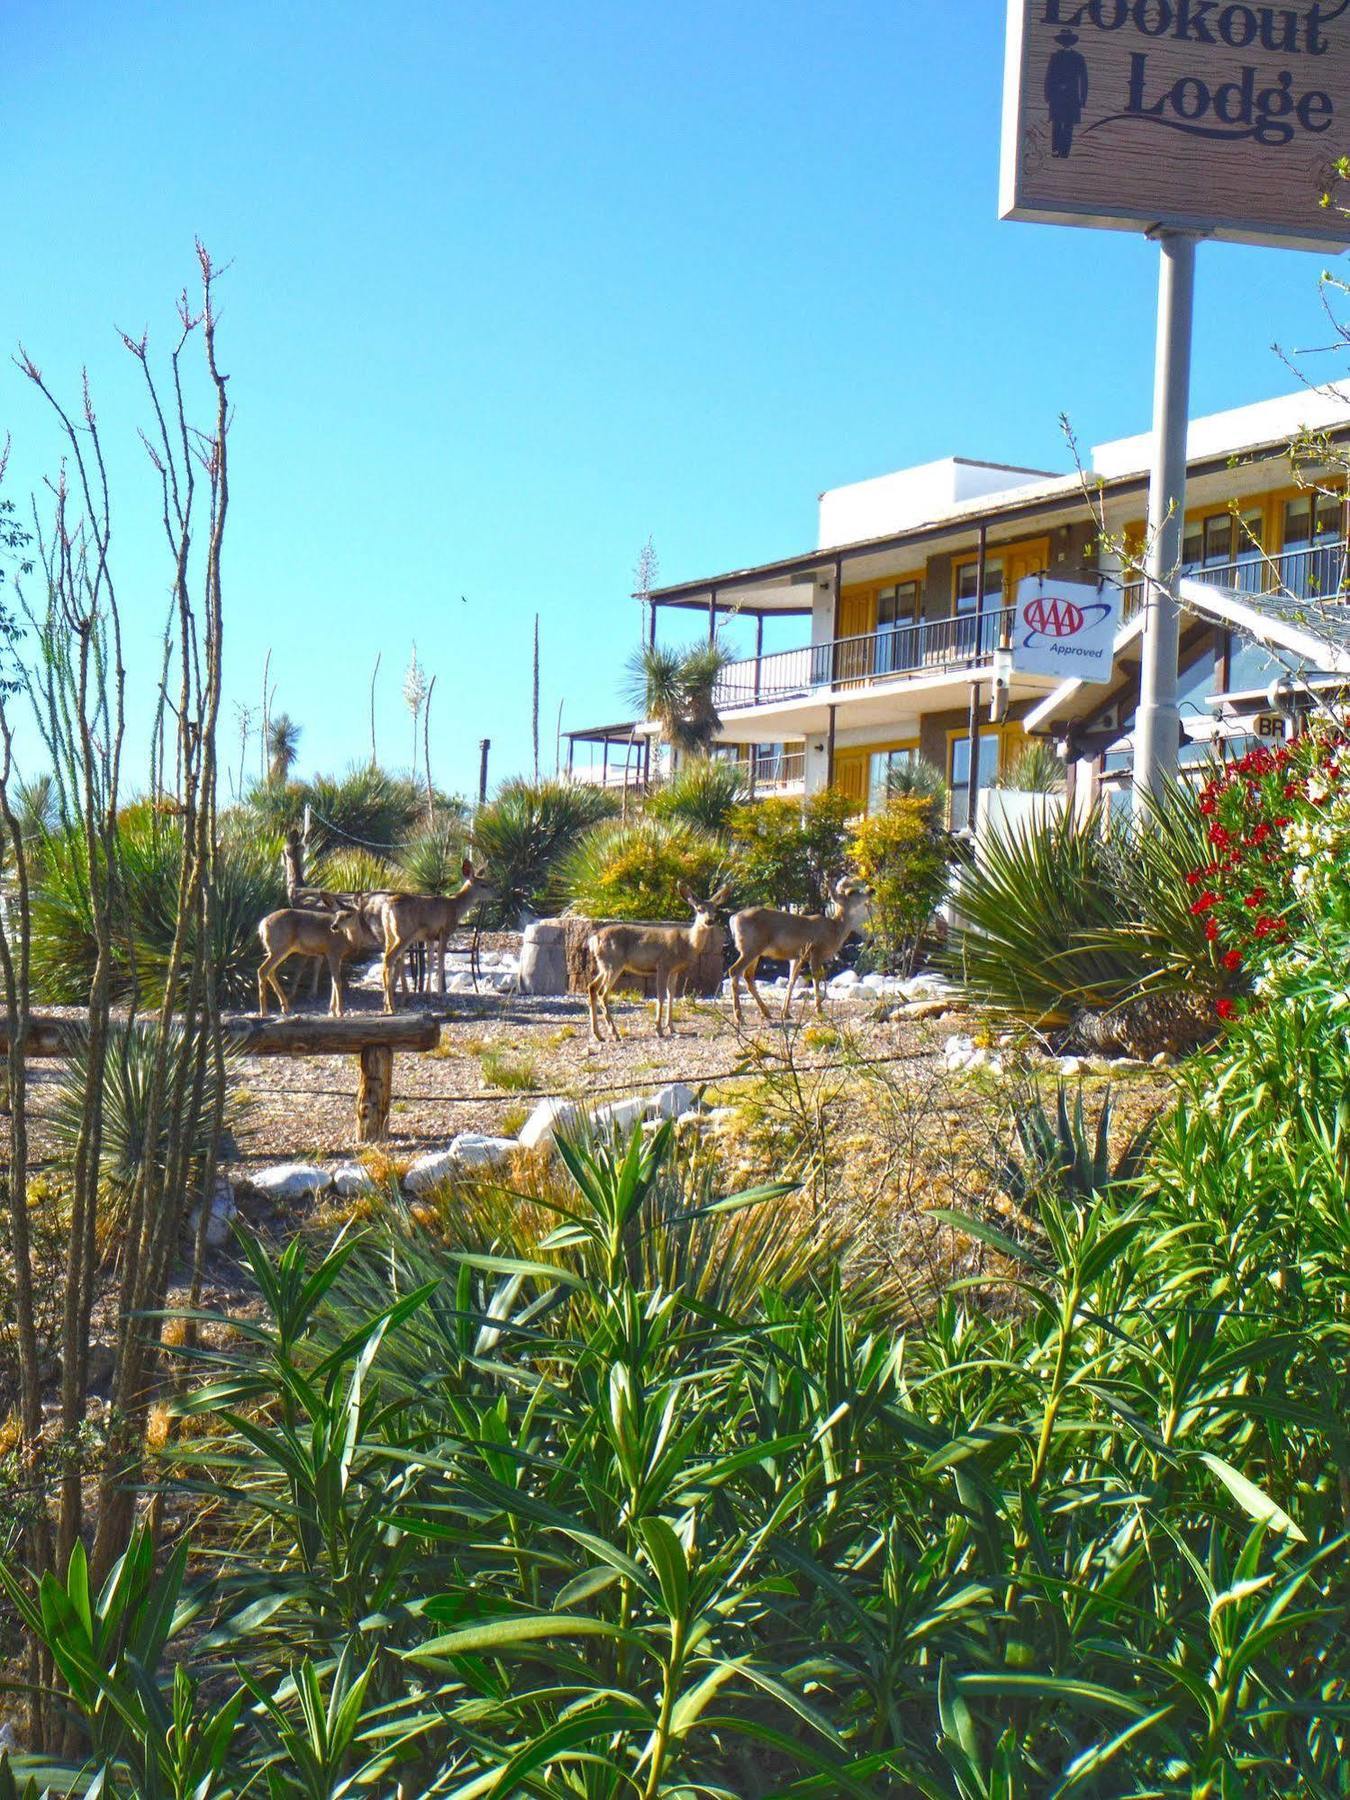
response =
{"points": [[881, 764], [967, 585], [1222, 542], [897, 607], [958, 773], [1313, 563]]}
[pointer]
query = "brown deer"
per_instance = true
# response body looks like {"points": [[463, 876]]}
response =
{"points": [[662, 951], [327, 936], [800, 939], [408, 919]]}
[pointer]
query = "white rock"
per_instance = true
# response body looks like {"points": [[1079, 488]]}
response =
{"points": [[220, 1217], [689, 1121], [674, 1101], [619, 1117], [1070, 1065], [292, 1181], [473, 1150], [429, 1171], [874, 981], [352, 1179], [547, 1119], [846, 978]]}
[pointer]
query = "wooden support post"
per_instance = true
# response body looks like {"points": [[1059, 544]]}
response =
{"points": [[712, 615], [829, 753], [374, 1093]]}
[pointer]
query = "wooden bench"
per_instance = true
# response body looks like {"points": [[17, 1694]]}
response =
{"points": [[371, 1037]]}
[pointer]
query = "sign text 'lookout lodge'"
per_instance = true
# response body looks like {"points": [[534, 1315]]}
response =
{"points": [[1206, 115]]}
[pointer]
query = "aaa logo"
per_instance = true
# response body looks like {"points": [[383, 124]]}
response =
{"points": [[1056, 619]]}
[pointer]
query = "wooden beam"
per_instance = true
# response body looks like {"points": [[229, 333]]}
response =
{"points": [[292, 1034]]}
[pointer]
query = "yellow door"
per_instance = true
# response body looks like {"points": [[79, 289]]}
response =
{"points": [[857, 626], [850, 776], [1021, 560]]}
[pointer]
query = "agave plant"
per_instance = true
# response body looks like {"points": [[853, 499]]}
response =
{"points": [[918, 779], [1036, 769], [1065, 1157], [430, 863]]}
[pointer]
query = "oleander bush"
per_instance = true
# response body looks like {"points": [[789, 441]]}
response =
{"points": [[633, 1489], [903, 851]]}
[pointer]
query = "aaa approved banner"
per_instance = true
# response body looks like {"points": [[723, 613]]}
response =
{"points": [[1065, 629]]}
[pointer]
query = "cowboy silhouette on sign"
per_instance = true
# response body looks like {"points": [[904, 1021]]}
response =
{"points": [[1066, 91]]}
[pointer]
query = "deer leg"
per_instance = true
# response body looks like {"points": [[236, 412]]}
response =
{"points": [[335, 982], [393, 950], [440, 963], [267, 978], [793, 972], [592, 989], [817, 981], [604, 999], [752, 969]]}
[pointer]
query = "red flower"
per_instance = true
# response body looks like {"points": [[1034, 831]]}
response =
{"points": [[1225, 1008], [1281, 823], [1268, 927], [1220, 835], [1260, 835], [1195, 876], [1291, 790], [1208, 804], [1231, 959], [1255, 898], [1211, 930], [1203, 904]]}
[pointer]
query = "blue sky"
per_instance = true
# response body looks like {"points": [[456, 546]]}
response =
{"points": [[516, 285]]}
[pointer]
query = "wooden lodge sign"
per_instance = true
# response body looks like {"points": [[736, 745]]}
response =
{"points": [[1205, 115]]}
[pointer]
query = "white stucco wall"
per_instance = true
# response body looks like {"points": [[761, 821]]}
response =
{"points": [[1215, 434], [908, 497]]}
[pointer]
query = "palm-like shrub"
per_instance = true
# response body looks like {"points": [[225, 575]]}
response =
{"points": [[524, 834], [636, 870], [703, 792], [367, 808], [125, 1146], [921, 780], [249, 885], [677, 689], [431, 862], [1036, 769], [354, 872], [1039, 916]]}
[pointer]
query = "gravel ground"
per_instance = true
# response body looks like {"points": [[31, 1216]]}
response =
{"points": [[499, 1053]]}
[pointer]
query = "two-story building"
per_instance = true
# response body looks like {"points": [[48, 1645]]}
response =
{"points": [[906, 596]]}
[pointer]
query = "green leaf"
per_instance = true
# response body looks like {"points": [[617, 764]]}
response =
{"points": [[1253, 1501]]}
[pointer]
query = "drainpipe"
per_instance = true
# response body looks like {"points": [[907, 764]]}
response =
{"points": [[759, 650], [829, 753], [973, 781], [712, 615]]}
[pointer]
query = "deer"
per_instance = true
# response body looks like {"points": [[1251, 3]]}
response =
{"points": [[800, 939], [662, 951], [330, 937], [407, 919]]}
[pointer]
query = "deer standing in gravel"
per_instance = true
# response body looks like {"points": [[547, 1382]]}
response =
{"points": [[799, 939], [661, 951], [408, 919], [329, 937]]}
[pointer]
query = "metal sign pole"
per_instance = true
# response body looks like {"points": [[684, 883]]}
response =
{"points": [[1157, 731]]}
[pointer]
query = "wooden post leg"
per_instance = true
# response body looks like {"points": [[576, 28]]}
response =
{"points": [[373, 1094]]}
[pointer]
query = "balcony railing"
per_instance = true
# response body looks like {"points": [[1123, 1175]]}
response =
{"points": [[930, 647], [1316, 573], [777, 771]]}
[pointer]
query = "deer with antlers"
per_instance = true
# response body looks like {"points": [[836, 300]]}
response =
{"points": [[329, 937], [799, 939], [408, 919], [661, 951]]}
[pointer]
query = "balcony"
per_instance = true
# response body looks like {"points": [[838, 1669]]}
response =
{"points": [[777, 772], [1316, 574], [932, 647]]}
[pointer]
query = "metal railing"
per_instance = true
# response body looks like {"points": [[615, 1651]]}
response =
{"points": [[931, 646], [783, 769], [1316, 572]]}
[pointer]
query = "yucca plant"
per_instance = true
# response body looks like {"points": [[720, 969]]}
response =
{"points": [[126, 1082], [430, 862], [1036, 769], [354, 872], [702, 792], [523, 835], [678, 690], [1041, 918]]}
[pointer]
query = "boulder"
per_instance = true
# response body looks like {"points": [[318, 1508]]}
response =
{"points": [[352, 1179], [220, 1216], [619, 1117], [543, 958], [292, 1181], [673, 1101], [846, 978], [473, 1150], [430, 1171], [547, 1119]]}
